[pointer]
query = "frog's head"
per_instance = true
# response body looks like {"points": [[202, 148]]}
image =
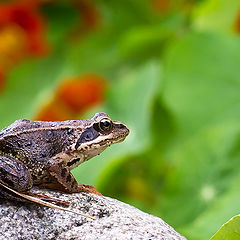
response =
{"points": [[99, 133]]}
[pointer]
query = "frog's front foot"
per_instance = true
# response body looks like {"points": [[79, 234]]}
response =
{"points": [[88, 188]]}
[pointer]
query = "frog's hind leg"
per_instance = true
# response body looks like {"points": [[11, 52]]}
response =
{"points": [[14, 175]]}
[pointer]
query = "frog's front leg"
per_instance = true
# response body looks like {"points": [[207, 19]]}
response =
{"points": [[15, 175], [66, 182]]}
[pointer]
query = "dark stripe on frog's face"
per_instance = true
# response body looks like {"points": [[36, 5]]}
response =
{"points": [[88, 135]]}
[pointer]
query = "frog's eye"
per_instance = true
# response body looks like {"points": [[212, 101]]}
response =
{"points": [[105, 125]]}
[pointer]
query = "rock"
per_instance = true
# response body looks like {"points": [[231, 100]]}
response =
{"points": [[115, 220]]}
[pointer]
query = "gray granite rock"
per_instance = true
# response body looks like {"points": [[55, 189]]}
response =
{"points": [[115, 220]]}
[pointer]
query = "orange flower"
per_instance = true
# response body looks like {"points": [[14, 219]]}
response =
{"points": [[237, 22], [89, 13], [22, 33], [82, 92], [73, 97], [89, 17], [161, 6], [26, 16]]}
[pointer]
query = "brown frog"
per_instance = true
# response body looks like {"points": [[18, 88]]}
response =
{"points": [[43, 153]]}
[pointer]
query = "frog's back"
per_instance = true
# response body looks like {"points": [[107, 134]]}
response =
{"points": [[22, 125], [17, 126], [38, 139]]}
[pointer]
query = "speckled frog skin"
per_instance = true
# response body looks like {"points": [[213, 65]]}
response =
{"points": [[43, 153]]}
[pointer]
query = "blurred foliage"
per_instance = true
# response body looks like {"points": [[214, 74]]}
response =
{"points": [[168, 69]]}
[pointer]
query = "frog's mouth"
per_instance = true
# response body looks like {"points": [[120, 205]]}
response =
{"points": [[118, 133]]}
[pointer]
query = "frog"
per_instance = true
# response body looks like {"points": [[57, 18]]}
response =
{"points": [[43, 153]]}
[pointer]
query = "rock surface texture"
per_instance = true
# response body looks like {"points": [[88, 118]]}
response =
{"points": [[114, 220]]}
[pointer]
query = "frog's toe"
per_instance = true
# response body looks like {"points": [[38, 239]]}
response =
{"points": [[88, 188]]}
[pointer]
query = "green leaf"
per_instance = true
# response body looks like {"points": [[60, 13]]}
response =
{"points": [[229, 231], [201, 81], [216, 15], [61, 19]]}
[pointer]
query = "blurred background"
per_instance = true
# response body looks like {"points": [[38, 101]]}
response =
{"points": [[169, 69]]}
